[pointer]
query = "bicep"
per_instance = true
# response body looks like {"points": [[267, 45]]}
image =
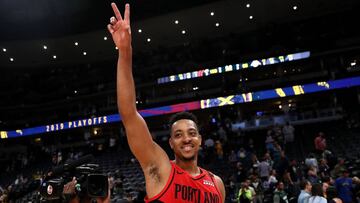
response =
{"points": [[146, 151]]}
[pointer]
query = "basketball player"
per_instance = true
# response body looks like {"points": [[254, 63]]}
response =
{"points": [[181, 180]]}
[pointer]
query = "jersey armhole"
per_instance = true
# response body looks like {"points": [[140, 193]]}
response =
{"points": [[166, 187], [212, 176]]}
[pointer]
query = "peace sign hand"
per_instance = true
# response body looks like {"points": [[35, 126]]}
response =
{"points": [[120, 28]]}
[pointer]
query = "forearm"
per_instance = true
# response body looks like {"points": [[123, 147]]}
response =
{"points": [[126, 97]]}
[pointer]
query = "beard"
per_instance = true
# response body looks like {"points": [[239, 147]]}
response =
{"points": [[187, 159], [184, 158]]}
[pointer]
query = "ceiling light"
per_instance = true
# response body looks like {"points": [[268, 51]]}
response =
{"points": [[176, 22], [251, 17], [212, 13], [84, 53], [148, 40], [4, 50], [75, 91], [295, 7], [139, 30], [76, 43], [11, 59], [247, 5], [105, 38], [183, 32], [54, 56], [217, 24], [45, 47]]}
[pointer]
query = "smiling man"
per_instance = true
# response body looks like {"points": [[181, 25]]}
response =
{"points": [[181, 180]]}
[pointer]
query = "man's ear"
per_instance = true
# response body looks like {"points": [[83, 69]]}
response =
{"points": [[170, 143], [200, 138]]}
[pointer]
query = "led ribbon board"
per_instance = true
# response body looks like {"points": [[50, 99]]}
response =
{"points": [[234, 67], [202, 104]]}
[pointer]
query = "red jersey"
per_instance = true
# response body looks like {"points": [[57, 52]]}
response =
{"points": [[182, 187]]}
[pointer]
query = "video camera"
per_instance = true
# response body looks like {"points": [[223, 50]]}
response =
{"points": [[90, 181]]}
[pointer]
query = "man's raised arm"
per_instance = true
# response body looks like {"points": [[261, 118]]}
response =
{"points": [[140, 141]]}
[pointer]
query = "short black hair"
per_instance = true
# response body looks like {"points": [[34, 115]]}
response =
{"points": [[183, 115], [304, 183], [317, 190]]}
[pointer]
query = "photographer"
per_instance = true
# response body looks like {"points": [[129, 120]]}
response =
{"points": [[71, 196]]}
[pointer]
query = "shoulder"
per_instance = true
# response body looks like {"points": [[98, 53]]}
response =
{"points": [[219, 184]]}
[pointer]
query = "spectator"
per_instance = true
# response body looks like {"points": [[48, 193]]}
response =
{"points": [[289, 137], [320, 143], [324, 169], [264, 170], [312, 175], [283, 164], [339, 168], [344, 187], [272, 179], [256, 184], [317, 194], [219, 150], [280, 196], [232, 157], [244, 195], [240, 172], [311, 161], [269, 141], [305, 193], [295, 171]]}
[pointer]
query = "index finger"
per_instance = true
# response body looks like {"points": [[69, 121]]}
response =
{"points": [[127, 13], [116, 11]]}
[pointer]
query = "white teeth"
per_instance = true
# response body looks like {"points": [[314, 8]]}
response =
{"points": [[187, 147]]}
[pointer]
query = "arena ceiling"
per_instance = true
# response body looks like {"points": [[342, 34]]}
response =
{"points": [[43, 32]]}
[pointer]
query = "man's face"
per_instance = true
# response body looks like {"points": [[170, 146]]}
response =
{"points": [[281, 186], [185, 139], [325, 186], [308, 186]]}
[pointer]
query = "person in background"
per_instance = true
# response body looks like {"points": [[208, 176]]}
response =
{"points": [[320, 143], [344, 187], [280, 195], [317, 194], [305, 193], [245, 195]]}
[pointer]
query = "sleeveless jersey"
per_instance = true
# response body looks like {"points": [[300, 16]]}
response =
{"points": [[182, 187]]}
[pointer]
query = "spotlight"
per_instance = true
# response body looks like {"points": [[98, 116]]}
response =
{"points": [[4, 50], [54, 56], [217, 24], [247, 5], [45, 47], [139, 30], [105, 38], [212, 13], [84, 53], [76, 43], [148, 40], [295, 7], [251, 17], [176, 22], [183, 32], [11, 59]]}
